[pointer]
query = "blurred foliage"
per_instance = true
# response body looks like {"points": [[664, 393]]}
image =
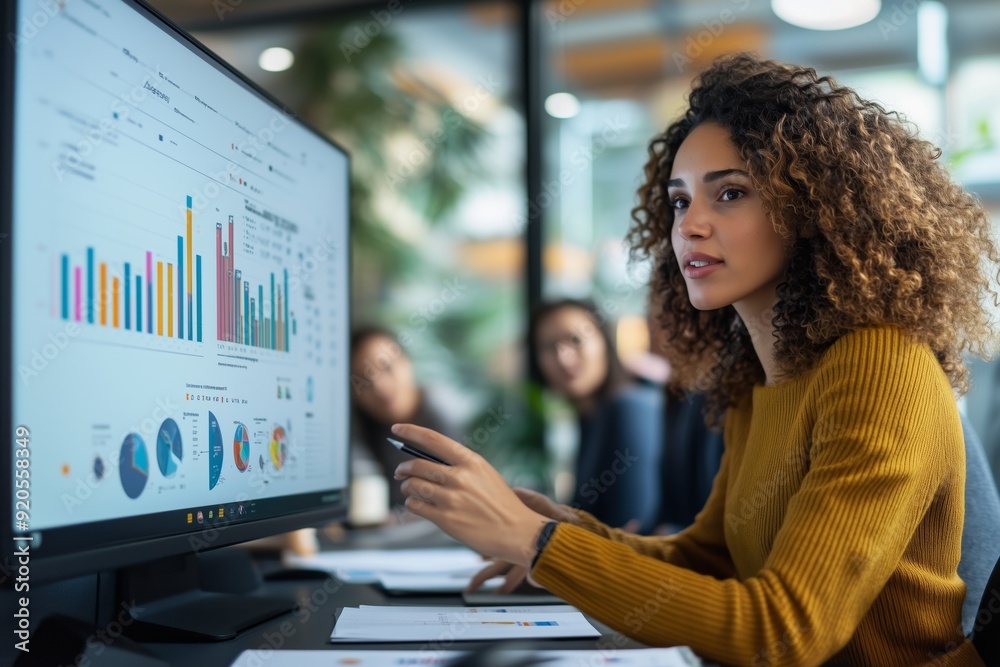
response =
{"points": [[360, 91], [983, 142], [356, 94]]}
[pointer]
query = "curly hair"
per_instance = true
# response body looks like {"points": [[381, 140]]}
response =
{"points": [[877, 230]]}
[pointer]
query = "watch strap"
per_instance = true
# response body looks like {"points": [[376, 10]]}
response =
{"points": [[543, 539]]}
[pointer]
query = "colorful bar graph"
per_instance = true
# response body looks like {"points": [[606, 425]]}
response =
{"points": [[240, 318], [108, 297]]}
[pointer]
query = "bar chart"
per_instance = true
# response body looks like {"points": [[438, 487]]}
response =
{"points": [[121, 295], [242, 314]]}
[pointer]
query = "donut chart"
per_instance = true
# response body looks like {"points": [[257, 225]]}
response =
{"points": [[241, 448], [279, 448], [133, 465], [169, 450]]}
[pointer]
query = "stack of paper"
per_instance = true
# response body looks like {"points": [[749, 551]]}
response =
{"points": [[417, 624], [650, 657], [438, 570]]}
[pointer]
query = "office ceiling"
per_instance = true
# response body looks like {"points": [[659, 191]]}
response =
{"points": [[616, 48]]}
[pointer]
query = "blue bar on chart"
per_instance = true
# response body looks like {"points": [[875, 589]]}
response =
{"points": [[180, 286], [128, 300], [65, 286]]}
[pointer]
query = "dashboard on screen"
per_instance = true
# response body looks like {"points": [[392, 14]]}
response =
{"points": [[179, 293]]}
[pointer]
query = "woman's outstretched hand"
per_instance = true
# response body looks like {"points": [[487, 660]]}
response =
{"points": [[469, 499]]}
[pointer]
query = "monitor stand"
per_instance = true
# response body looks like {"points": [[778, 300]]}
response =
{"points": [[169, 600]]}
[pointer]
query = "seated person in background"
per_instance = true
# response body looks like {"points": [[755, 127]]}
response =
{"points": [[692, 452], [646, 459], [621, 422], [384, 391]]}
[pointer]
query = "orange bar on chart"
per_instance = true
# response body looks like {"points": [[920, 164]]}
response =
{"points": [[114, 301], [104, 294], [159, 298]]}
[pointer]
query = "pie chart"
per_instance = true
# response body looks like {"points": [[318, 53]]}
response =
{"points": [[133, 465], [215, 451], [241, 447], [168, 448], [278, 447]]}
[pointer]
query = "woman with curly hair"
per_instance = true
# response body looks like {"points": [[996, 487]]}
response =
{"points": [[819, 277]]}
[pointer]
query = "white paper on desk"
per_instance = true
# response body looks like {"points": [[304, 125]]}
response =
{"points": [[530, 609], [432, 583], [643, 657], [360, 625], [362, 566]]}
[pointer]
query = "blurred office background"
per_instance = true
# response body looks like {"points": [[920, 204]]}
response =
{"points": [[497, 148]]}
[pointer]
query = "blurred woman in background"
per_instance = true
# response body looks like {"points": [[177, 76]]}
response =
{"points": [[621, 423], [384, 391], [646, 458]]}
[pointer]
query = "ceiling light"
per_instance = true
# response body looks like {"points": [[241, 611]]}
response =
{"points": [[826, 15], [562, 105], [276, 59]]}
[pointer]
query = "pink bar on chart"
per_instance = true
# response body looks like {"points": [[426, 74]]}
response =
{"points": [[230, 311], [76, 293], [218, 281]]}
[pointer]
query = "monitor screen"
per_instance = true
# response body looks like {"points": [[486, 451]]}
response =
{"points": [[178, 305]]}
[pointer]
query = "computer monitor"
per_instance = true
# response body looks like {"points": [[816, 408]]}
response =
{"points": [[175, 262]]}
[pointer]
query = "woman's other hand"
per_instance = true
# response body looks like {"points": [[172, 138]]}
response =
{"points": [[514, 576]]}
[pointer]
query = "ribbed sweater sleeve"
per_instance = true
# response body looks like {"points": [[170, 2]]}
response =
{"points": [[875, 466]]}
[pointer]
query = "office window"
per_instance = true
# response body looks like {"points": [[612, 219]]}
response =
{"points": [[427, 102]]}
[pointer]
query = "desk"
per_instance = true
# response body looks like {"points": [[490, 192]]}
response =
{"points": [[310, 626], [294, 631]]}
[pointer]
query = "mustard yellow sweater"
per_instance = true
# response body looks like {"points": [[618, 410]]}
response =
{"points": [[832, 532]]}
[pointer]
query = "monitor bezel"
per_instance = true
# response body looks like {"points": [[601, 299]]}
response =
{"points": [[102, 558]]}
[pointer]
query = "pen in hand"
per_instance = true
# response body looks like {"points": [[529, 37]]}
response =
{"points": [[413, 450]]}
